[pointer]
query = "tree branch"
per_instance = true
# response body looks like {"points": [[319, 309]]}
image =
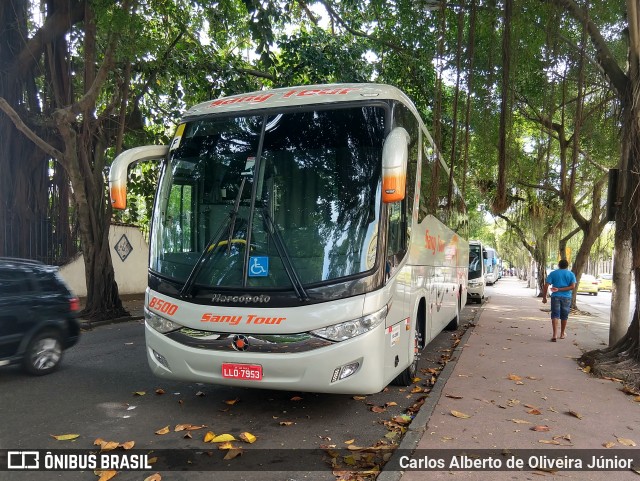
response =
{"points": [[603, 54], [56, 25], [359, 33], [30, 134]]}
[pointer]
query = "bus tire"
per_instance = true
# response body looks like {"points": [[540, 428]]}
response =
{"points": [[455, 322], [406, 377]]}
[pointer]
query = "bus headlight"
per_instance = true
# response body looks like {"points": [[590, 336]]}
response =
{"points": [[159, 323], [349, 329], [475, 283]]}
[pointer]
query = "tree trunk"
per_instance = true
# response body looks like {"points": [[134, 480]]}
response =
{"points": [[621, 289], [621, 360]]}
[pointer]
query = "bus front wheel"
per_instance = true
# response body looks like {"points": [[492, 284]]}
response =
{"points": [[406, 377]]}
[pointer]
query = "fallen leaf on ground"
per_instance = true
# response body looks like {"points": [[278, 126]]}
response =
{"points": [[233, 453], [153, 477], [626, 441], [128, 445], [402, 419], [247, 437], [139, 393], [453, 396], [226, 445], [223, 438], [629, 390], [520, 421], [208, 437], [105, 475], [378, 409], [286, 423], [65, 437], [566, 437], [390, 403], [534, 412], [200, 394], [350, 441], [547, 441], [159, 391], [514, 377], [296, 398], [460, 415], [541, 428], [188, 427], [609, 444], [164, 430], [359, 398], [575, 414], [231, 402], [109, 445]]}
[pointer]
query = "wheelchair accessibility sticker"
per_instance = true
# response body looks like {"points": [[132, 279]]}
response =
{"points": [[258, 266]]}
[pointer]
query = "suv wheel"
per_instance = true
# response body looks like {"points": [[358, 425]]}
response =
{"points": [[43, 354]]}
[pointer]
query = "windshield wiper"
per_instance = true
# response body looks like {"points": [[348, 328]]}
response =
{"points": [[284, 255], [234, 215], [213, 243]]}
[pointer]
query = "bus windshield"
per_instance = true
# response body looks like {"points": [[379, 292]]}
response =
{"points": [[475, 261], [271, 201]]}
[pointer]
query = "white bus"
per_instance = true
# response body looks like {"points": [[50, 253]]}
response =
{"points": [[477, 282], [304, 238], [491, 266]]}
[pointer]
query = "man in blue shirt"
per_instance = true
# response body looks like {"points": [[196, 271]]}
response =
{"points": [[562, 282]]}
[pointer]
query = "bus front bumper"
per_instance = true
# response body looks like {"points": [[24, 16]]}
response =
{"points": [[313, 371]]}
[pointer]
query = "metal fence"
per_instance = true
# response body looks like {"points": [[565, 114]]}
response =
{"points": [[44, 240]]}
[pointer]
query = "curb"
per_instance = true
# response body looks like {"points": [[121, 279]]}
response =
{"points": [[418, 425], [90, 325]]}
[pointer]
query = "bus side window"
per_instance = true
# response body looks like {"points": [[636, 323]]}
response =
{"points": [[396, 235], [179, 212]]}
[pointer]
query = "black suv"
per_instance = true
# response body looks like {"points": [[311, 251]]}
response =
{"points": [[37, 315]]}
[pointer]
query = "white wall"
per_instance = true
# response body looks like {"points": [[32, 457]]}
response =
{"points": [[131, 274]]}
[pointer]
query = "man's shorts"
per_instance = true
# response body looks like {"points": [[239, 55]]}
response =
{"points": [[560, 307]]}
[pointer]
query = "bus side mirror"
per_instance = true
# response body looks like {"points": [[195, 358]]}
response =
{"points": [[120, 165], [395, 155]]}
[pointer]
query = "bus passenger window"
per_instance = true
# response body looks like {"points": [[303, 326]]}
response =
{"points": [[396, 235]]}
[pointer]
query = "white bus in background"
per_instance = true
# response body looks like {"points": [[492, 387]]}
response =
{"points": [[477, 281], [304, 238], [491, 266]]}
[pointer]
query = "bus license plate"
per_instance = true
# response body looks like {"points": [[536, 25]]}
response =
{"points": [[252, 372]]}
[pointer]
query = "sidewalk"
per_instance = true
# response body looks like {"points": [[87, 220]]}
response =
{"points": [[133, 303], [509, 377]]}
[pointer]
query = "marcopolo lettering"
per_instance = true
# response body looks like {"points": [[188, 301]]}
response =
{"points": [[243, 299]]}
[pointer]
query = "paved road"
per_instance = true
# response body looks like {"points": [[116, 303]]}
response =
{"points": [[93, 395]]}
